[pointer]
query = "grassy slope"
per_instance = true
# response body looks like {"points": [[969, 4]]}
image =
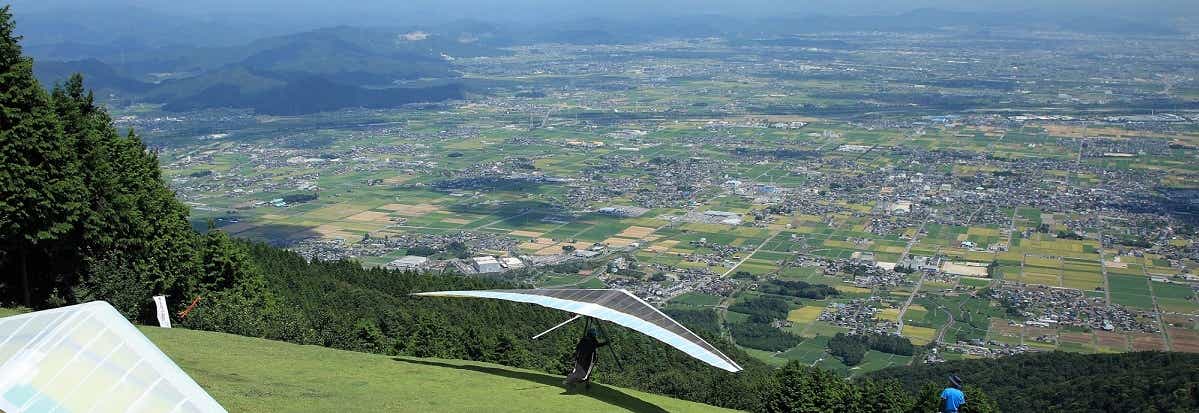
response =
{"points": [[247, 374]]}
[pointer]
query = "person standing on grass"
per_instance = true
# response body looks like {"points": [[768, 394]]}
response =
{"points": [[952, 397], [584, 358]]}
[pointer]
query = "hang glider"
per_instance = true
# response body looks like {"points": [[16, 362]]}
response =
{"points": [[88, 358], [617, 306]]}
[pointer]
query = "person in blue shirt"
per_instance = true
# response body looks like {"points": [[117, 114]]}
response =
{"points": [[952, 397]]}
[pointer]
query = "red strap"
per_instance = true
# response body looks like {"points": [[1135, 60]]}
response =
{"points": [[183, 314]]}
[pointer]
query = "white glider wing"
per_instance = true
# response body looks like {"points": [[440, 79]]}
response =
{"points": [[617, 306], [88, 358]]}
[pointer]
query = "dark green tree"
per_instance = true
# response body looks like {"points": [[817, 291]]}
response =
{"points": [[39, 187], [226, 264], [883, 396], [929, 400], [132, 224], [799, 388]]}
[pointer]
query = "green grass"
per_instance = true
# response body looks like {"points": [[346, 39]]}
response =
{"points": [[5, 312], [253, 375]]}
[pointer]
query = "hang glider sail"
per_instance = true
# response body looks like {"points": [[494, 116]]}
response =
{"points": [[88, 358], [617, 306]]}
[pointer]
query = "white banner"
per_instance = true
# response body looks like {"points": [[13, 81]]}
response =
{"points": [[164, 315]]}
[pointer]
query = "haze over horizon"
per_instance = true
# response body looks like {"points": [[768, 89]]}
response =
{"points": [[377, 12], [159, 23]]}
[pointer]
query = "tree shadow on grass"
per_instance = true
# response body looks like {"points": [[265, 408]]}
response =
{"points": [[597, 391]]}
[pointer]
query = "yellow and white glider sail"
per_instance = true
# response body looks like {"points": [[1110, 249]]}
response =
{"points": [[88, 358]]}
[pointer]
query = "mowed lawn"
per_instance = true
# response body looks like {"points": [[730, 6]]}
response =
{"points": [[253, 375]]}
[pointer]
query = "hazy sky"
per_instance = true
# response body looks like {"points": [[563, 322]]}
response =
{"points": [[408, 11], [228, 22]]}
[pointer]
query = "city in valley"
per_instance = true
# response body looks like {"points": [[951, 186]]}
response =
{"points": [[965, 191]]}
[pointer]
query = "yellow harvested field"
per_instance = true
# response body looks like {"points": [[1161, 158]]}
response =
{"points": [[331, 232], [839, 244], [969, 269], [527, 234], [636, 232], [1056, 245], [1075, 131], [1087, 267], [335, 212], [359, 227], [1042, 262], [370, 216], [619, 242], [1081, 275], [750, 232], [557, 248], [1082, 282], [1009, 256], [663, 246], [983, 231], [1115, 264], [1039, 278], [891, 314], [709, 228], [851, 289], [980, 256], [530, 246], [804, 315], [410, 210], [548, 251], [919, 335]]}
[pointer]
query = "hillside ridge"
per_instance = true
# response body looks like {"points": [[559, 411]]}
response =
{"points": [[251, 374]]}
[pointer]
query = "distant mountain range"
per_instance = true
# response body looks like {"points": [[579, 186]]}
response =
{"points": [[362, 67], [938, 20], [314, 71]]}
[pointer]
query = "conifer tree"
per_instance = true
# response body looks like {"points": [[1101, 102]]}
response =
{"points": [[40, 191]]}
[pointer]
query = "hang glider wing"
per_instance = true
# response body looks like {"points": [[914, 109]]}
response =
{"points": [[88, 358], [617, 306]]}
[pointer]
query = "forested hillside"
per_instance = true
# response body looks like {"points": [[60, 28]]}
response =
{"points": [[315, 71], [1059, 381]]}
